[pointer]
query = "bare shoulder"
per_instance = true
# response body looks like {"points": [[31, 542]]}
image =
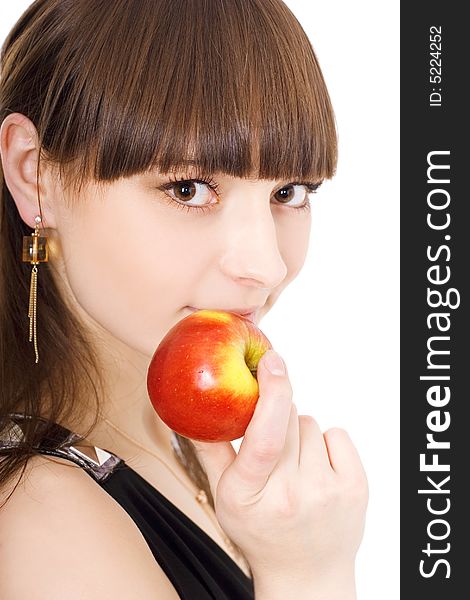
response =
{"points": [[63, 536]]}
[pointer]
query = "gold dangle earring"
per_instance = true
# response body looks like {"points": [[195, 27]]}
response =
{"points": [[35, 250]]}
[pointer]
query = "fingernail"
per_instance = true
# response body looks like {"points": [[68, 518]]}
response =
{"points": [[274, 363]]}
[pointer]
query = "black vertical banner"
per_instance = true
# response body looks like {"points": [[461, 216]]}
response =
{"points": [[435, 301]]}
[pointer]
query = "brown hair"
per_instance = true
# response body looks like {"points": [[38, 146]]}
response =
{"points": [[117, 88]]}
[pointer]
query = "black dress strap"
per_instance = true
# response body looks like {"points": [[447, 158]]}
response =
{"points": [[55, 440], [195, 564]]}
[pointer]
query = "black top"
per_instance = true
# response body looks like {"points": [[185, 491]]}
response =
{"points": [[198, 568]]}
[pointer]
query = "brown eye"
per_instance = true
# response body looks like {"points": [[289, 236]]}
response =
{"points": [[286, 194], [196, 192], [294, 195], [185, 190]]}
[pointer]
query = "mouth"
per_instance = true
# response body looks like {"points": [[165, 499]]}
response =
{"points": [[250, 313]]}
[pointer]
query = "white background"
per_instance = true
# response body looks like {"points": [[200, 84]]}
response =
{"points": [[337, 325]]}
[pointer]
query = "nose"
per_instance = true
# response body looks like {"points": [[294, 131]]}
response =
{"points": [[251, 253]]}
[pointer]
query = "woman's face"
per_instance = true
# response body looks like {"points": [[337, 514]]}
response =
{"points": [[136, 254]]}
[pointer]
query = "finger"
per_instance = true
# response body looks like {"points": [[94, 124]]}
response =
{"points": [[265, 436], [215, 457], [344, 457], [313, 450], [289, 460]]}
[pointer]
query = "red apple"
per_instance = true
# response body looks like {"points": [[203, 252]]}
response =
{"points": [[202, 377]]}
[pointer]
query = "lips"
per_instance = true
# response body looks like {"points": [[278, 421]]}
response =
{"points": [[250, 313]]}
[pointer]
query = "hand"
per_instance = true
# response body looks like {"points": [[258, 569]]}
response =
{"points": [[293, 499]]}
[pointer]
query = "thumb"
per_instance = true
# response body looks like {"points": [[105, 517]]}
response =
{"points": [[215, 457], [265, 436]]}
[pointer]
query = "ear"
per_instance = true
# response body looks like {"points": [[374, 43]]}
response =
{"points": [[19, 152]]}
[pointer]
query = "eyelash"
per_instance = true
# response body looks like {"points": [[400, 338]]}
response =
{"points": [[208, 180]]}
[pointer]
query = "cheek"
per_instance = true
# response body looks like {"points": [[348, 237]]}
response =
{"points": [[129, 270], [293, 236]]}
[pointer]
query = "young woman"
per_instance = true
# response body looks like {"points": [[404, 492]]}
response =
{"points": [[163, 155]]}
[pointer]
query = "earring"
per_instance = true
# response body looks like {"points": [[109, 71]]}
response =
{"points": [[35, 250]]}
